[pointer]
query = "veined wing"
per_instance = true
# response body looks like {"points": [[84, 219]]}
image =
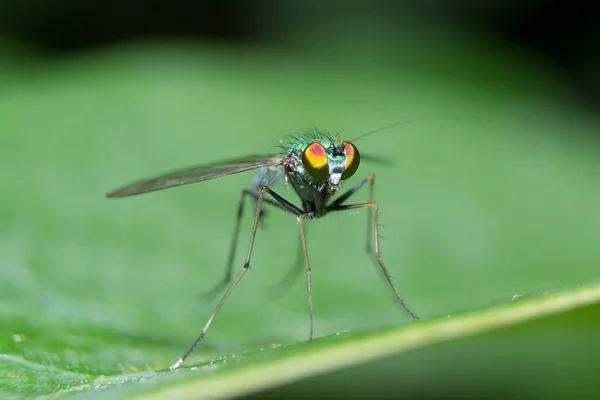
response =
{"points": [[197, 174]]}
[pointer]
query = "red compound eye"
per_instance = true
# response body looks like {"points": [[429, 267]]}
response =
{"points": [[352, 160], [314, 160]]}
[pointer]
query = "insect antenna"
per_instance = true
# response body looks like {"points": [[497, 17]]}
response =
{"points": [[405, 122]]}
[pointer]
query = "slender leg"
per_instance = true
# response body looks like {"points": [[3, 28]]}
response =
{"points": [[220, 285], [372, 210], [301, 218], [259, 203], [373, 205], [338, 202]]}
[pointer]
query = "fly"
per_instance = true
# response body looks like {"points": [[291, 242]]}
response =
{"points": [[315, 164]]}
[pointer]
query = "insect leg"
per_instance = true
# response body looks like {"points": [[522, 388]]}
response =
{"points": [[373, 205], [338, 202], [210, 294], [301, 218], [259, 203]]}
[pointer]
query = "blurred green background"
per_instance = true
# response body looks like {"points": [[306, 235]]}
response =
{"points": [[493, 194]]}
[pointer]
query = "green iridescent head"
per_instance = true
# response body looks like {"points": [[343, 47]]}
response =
{"points": [[324, 159]]}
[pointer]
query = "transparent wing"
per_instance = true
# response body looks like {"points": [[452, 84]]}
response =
{"points": [[197, 174]]}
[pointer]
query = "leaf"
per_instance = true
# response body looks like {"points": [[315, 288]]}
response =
{"points": [[479, 215], [255, 372]]}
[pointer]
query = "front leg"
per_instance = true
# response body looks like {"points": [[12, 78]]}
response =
{"points": [[373, 206], [372, 225], [338, 202]]}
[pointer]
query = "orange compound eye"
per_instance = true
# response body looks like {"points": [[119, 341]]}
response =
{"points": [[314, 160], [352, 160]]}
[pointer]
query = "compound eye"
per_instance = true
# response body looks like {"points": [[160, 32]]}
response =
{"points": [[352, 160], [314, 160]]}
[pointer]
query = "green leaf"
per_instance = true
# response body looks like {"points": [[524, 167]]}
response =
{"points": [[489, 218]]}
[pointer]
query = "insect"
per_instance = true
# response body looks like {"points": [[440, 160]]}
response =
{"points": [[314, 165]]}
